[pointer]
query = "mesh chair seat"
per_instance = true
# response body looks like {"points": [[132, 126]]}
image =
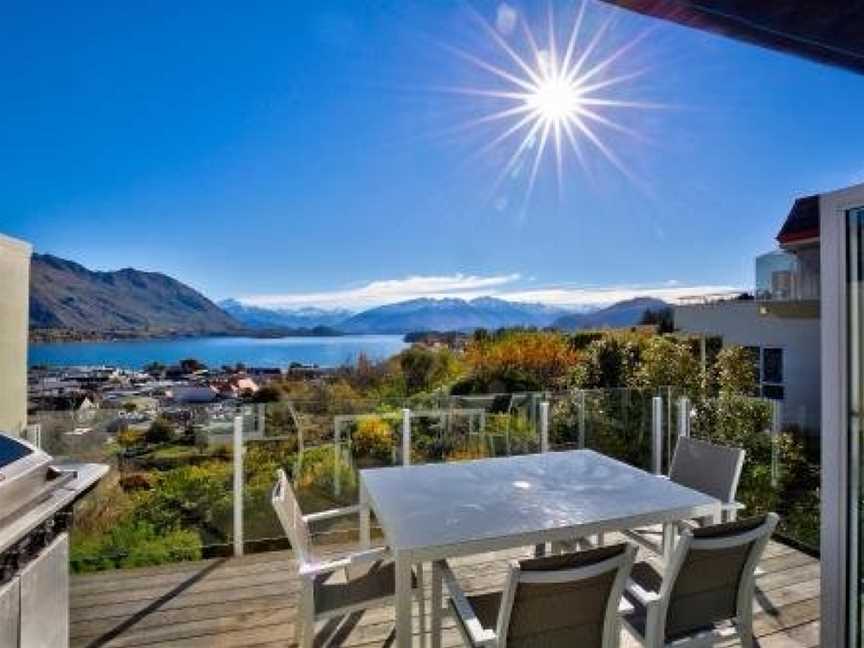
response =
{"points": [[709, 583], [649, 579], [551, 602], [376, 582]]}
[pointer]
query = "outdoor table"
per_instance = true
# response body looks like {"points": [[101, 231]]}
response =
{"points": [[438, 511]]}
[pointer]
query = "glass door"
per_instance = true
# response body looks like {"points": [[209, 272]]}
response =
{"points": [[855, 395]]}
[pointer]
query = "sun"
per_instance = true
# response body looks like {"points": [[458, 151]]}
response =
{"points": [[554, 98]]}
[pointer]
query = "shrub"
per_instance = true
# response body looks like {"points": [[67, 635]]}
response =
{"points": [[373, 438], [735, 371], [608, 362], [272, 392], [129, 438], [196, 497], [134, 544], [161, 430], [666, 362], [536, 359]]}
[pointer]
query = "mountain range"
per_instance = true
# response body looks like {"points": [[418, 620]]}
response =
{"points": [[273, 318], [450, 314], [620, 314], [66, 296]]}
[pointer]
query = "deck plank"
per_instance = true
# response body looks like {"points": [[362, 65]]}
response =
{"points": [[250, 602]]}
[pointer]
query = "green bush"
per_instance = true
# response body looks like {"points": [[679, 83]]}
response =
{"points": [[134, 544], [160, 431], [373, 439], [196, 497]]}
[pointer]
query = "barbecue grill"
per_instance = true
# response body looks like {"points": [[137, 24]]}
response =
{"points": [[36, 500]]}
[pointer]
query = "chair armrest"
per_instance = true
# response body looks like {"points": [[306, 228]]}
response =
{"points": [[479, 635], [687, 525], [332, 513], [646, 598], [329, 566]]}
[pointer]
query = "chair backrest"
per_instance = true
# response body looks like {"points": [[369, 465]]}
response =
{"points": [[288, 511], [710, 578], [565, 600], [708, 468]]}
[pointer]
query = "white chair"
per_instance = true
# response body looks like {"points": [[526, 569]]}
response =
{"points": [[711, 469], [556, 601], [709, 580], [335, 587], [708, 468]]}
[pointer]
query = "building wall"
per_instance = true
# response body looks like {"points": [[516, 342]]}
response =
{"points": [[742, 323], [14, 319]]}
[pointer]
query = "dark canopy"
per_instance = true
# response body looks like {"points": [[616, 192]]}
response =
{"points": [[828, 31], [802, 222]]}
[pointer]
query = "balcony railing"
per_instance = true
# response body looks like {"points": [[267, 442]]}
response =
{"points": [[198, 483]]}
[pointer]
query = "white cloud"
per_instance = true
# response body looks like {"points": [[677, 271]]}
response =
{"points": [[603, 296], [507, 286], [388, 291]]}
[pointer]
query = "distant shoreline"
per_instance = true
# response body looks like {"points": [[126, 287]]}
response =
{"points": [[217, 351], [66, 336]]}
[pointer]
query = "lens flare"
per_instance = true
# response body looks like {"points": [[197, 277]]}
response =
{"points": [[556, 99]]}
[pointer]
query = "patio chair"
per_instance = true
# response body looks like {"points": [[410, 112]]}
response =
{"points": [[711, 469], [564, 600], [335, 587], [708, 468], [709, 580]]}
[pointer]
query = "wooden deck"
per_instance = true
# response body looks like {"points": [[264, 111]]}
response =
{"points": [[250, 601]]}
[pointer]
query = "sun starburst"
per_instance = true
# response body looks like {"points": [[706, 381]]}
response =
{"points": [[557, 99]]}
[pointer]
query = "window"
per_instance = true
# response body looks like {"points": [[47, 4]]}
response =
{"points": [[772, 365], [774, 392], [771, 373], [768, 371]]}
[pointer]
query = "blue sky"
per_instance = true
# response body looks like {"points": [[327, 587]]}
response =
{"points": [[308, 154]]}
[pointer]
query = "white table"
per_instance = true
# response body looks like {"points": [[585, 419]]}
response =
{"points": [[438, 511]]}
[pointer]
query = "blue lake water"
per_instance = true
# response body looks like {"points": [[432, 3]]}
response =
{"points": [[216, 351]]}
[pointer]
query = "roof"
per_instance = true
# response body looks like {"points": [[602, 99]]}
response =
{"points": [[827, 31], [802, 222]]}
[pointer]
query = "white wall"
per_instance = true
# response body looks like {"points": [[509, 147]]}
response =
{"points": [[741, 323], [14, 319]]}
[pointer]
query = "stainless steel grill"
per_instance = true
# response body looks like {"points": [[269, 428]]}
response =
{"points": [[36, 500]]}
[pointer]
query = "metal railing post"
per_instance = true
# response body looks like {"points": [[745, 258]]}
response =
{"points": [[582, 406], [337, 481], [776, 429], [657, 435], [33, 434], [406, 437], [683, 417], [261, 420], [544, 426], [238, 485]]}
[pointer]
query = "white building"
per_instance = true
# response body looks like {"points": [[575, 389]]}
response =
{"points": [[14, 320], [781, 324]]}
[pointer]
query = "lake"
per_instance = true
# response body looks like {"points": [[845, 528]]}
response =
{"points": [[218, 351]]}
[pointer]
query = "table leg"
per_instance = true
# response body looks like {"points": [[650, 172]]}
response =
{"points": [[437, 604], [403, 601], [419, 568], [365, 531], [718, 516], [669, 529]]}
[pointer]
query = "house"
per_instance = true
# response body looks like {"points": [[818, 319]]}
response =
{"points": [[780, 324], [192, 394], [235, 386]]}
